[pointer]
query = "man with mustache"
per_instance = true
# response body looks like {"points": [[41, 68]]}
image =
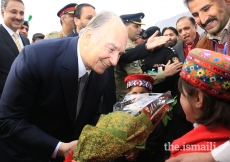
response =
{"points": [[214, 17], [187, 29], [124, 68], [173, 35], [11, 40]]}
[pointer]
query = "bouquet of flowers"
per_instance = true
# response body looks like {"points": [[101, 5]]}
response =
{"points": [[126, 128]]}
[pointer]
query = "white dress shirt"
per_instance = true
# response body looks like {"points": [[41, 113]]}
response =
{"points": [[11, 32], [81, 71], [222, 152]]}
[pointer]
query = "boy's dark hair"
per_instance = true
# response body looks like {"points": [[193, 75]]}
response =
{"points": [[38, 35], [192, 20], [171, 28], [215, 111]]}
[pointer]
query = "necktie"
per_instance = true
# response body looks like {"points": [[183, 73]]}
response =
{"points": [[81, 92], [15, 35]]}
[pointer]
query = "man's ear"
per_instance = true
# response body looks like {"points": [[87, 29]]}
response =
{"points": [[196, 26], [76, 21], [62, 19], [2, 13], [87, 35]]}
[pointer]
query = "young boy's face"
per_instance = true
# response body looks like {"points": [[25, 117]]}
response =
{"points": [[138, 90]]}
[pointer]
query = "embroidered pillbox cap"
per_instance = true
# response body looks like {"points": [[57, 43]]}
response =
{"points": [[209, 71], [139, 80]]}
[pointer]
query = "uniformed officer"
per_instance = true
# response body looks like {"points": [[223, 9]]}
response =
{"points": [[25, 27], [66, 20], [133, 25]]}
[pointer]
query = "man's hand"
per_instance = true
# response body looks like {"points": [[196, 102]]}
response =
{"points": [[155, 41], [171, 69], [65, 148], [191, 157]]}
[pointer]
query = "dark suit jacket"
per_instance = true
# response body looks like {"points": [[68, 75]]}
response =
{"points": [[180, 51], [73, 34], [8, 52], [38, 105]]}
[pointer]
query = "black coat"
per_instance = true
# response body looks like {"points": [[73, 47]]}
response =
{"points": [[8, 52], [73, 34], [160, 57], [38, 105]]}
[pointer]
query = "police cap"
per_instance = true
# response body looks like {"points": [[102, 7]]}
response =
{"points": [[69, 8], [133, 18]]}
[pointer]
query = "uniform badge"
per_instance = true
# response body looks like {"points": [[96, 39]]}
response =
{"points": [[135, 63], [130, 45], [144, 35], [61, 35]]}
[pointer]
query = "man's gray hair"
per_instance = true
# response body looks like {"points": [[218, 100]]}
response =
{"points": [[98, 21], [5, 2]]}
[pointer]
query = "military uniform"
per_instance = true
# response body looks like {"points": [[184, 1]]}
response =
{"points": [[68, 9], [122, 70], [55, 34]]}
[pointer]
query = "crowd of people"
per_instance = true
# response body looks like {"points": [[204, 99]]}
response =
{"points": [[52, 87]]}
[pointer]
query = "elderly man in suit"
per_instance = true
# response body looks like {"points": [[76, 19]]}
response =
{"points": [[42, 110], [187, 29], [11, 41]]}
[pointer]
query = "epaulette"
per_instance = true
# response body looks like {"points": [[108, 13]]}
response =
{"points": [[172, 50]]}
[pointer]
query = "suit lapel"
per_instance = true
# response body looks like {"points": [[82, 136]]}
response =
{"points": [[182, 57], [70, 71], [24, 40], [8, 39]]}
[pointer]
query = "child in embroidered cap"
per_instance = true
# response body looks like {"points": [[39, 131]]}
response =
{"points": [[139, 83], [205, 98]]}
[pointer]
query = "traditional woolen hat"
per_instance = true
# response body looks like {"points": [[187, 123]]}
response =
{"points": [[139, 80], [209, 71]]}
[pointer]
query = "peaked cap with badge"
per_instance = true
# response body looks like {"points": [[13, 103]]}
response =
{"points": [[133, 18], [69, 8]]}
